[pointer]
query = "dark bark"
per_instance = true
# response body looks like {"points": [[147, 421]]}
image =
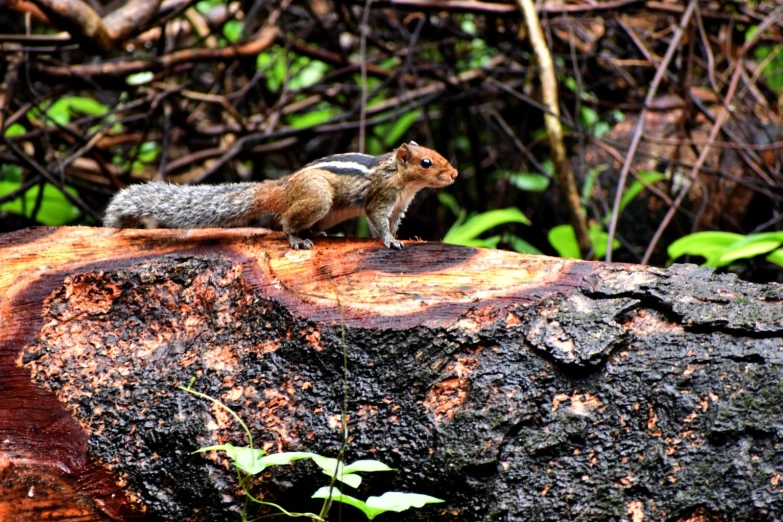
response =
{"points": [[514, 387]]}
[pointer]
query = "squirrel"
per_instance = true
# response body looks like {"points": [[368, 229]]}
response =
{"points": [[318, 196]]}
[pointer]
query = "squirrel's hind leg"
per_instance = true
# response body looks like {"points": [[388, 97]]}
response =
{"points": [[311, 202]]}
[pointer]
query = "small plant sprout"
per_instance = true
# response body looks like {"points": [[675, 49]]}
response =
{"points": [[374, 506], [251, 461]]}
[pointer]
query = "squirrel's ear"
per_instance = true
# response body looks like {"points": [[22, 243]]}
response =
{"points": [[403, 153]]}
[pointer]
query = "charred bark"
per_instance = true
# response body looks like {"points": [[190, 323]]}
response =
{"points": [[515, 387]]}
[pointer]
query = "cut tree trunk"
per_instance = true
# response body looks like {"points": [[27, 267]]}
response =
{"points": [[515, 388]]}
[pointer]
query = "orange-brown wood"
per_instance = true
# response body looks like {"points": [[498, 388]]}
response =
{"points": [[524, 386], [424, 284]]}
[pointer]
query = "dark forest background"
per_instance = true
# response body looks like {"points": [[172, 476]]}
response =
{"points": [[684, 95]]}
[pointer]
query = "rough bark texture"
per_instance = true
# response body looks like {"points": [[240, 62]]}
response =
{"points": [[517, 388]]}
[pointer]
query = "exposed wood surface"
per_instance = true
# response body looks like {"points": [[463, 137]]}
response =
{"points": [[402, 285], [515, 387]]}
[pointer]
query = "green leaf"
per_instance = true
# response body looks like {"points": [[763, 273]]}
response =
{"points": [[751, 246], [379, 94], [313, 118], [140, 78], [776, 257], [539, 134], [309, 75], [476, 225], [599, 238], [10, 172], [367, 466], [520, 245], [390, 64], [362, 227], [400, 127], [490, 242], [601, 129], [65, 108], [149, 151], [272, 63], [263, 60], [592, 175], [55, 208], [254, 460], [232, 30], [637, 187], [449, 201], [331, 468], [563, 240], [468, 26], [389, 501], [375, 146], [705, 244], [302, 71], [328, 464], [772, 68], [397, 501], [570, 83], [345, 474], [247, 459], [751, 32], [548, 165], [479, 55], [86, 106], [527, 181], [588, 116], [16, 129], [204, 6], [286, 457], [59, 113], [461, 143], [345, 499], [146, 153]]}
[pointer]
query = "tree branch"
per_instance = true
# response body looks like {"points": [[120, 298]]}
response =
{"points": [[565, 176]]}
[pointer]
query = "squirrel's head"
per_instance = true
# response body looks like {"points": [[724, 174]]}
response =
{"points": [[424, 166]]}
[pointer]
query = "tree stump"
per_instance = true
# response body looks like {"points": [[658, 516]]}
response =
{"points": [[516, 388]]}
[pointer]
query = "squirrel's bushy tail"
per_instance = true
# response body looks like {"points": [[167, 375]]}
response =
{"points": [[179, 206]]}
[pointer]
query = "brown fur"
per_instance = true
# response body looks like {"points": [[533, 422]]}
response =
{"points": [[317, 199]]}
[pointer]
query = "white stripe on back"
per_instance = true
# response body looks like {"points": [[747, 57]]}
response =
{"points": [[338, 165]]}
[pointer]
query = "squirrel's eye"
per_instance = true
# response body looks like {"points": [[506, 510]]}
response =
{"points": [[426, 163]]}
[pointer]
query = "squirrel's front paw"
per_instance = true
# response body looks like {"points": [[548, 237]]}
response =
{"points": [[393, 243], [303, 244], [297, 243]]}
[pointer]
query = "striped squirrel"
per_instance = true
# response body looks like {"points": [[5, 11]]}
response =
{"points": [[316, 197]]}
